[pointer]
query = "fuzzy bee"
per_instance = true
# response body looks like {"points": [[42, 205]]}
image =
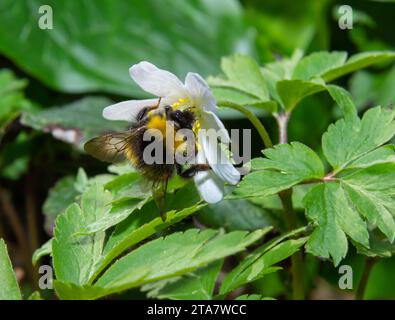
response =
{"points": [[168, 124]]}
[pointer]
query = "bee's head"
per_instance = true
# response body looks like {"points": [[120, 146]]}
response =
{"points": [[184, 119]]}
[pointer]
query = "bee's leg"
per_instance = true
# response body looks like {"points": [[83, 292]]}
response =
{"points": [[144, 112], [159, 100], [178, 169], [160, 199], [191, 171]]}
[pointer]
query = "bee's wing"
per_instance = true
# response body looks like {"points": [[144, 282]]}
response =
{"points": [[111, 147]]}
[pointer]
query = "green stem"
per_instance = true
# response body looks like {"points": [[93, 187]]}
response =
{"points": [[282, 121], [285, 196], [297, 258], [290, 218], [254, 120], [369, 263]]}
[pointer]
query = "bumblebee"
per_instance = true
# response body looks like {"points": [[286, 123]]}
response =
{"points": [[131, 145]]}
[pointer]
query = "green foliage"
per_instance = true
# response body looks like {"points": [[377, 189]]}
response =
{"points": [[317, 63], [197, 285], [291, 92], [12, 99], [346, 141], [360, 187], [184, 252], [356, 62], [9, 289], [286, 82], [76, 122], [252, 297], [285, 166], [15, 156], [109, 237], [244, 84], [260, 262], [373, 88], [95, 54], [249, 215], [43, 251], [68, 190], [75, 258]]}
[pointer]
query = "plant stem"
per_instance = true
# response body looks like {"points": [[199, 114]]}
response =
{"points": [[32, 225], [285, 196], [369, 263], [282, 121], [17, 227], [297, 258], [254, 120], [289, 216]]}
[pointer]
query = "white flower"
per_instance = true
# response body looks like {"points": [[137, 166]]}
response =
{"points": [[194, 92]]}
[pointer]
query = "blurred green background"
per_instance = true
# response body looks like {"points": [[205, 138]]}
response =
{"points": [[55, 82]]}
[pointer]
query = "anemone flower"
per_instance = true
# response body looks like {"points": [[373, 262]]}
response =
{"points": [[196, 95]]}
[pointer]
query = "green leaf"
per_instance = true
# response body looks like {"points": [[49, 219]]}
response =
{"points": [[285, 166], [12, 100], [184, 253], [291, 92], [127, 197], [382, 154], [44, 250], [317, 63], [253, 297], [344, 101], [358, 61], [371, 189], [226, 97], [75, 257], [242, 74], [117, 214], [76, 122], [9, 289], [129, 186], [60, 196], [197, 285], [35, 296], [92, 46], [146, 222], [346, 141], [66, 191], [378, 247], [329, 207], [237, 214], [15, 156], [359, 190], [282, 69], [260, 262], [127, 234], [372, 88], [71, 291]]}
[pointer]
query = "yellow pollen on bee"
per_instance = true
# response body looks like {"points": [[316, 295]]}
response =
{"points": [[157, 122]]}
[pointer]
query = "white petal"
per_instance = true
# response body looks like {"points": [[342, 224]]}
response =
{"points": [[210, 120], [160, 83], [210, 187], [200, 92], [217, 158], [127, 110]]}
